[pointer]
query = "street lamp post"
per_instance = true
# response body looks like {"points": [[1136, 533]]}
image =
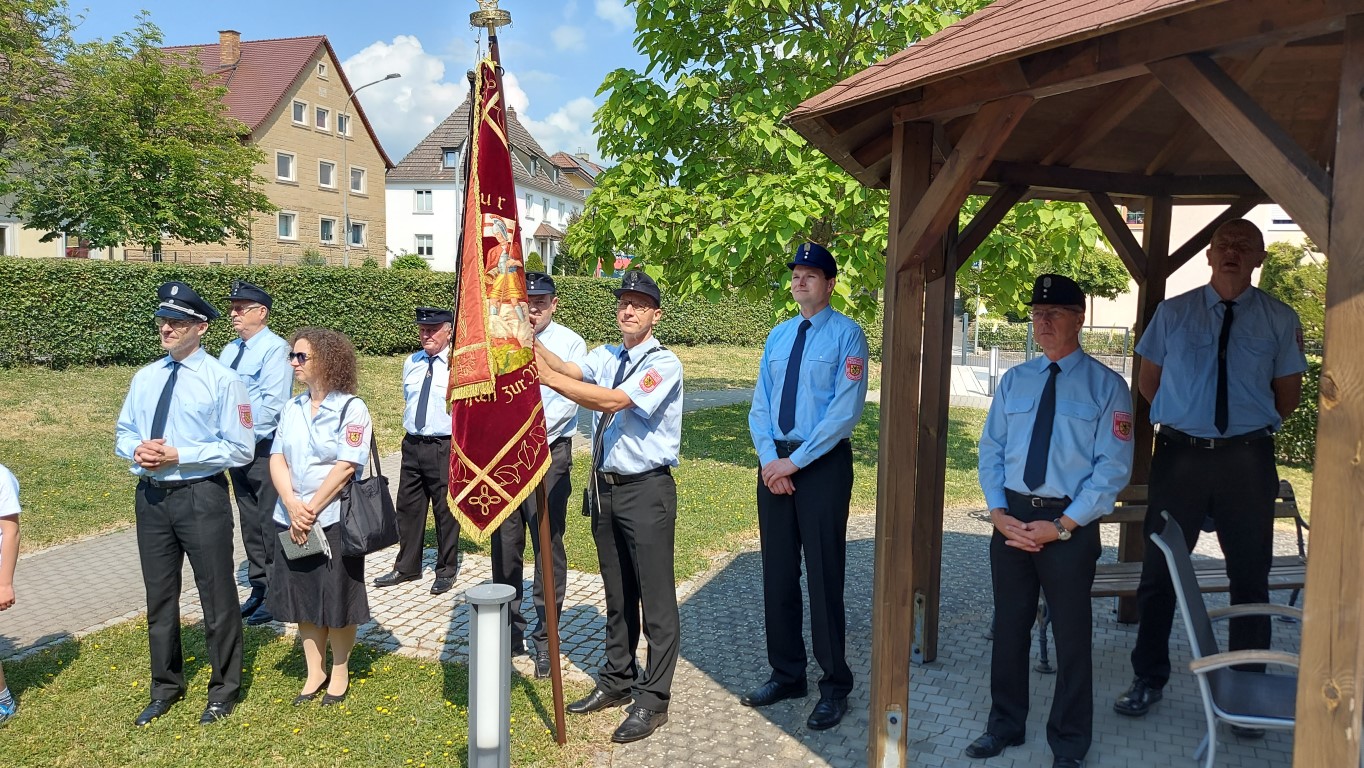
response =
{"points": [[345, 166]]}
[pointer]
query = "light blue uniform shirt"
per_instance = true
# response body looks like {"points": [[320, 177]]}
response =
{"points": [[269, 379], [561, 414], [830, 395], [647, 435], [9, 500], [437, 412], [207, 422], [1090, 459], [313, 444], [1182, 340]]}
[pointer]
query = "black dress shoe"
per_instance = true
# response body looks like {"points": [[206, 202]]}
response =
{"points": [[262, 615], [331, 701], [772, 692], [827, 714], [393, 578], [304, 698], [1067, 762], [215, 711], [639, 725], [442, 585], [1247, 732], [155, 709], [989, 745], [542, 665], [1137, 700], [597, 700], [254, 602]]}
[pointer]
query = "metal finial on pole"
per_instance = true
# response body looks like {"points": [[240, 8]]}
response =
{"points": [[490, 16]]}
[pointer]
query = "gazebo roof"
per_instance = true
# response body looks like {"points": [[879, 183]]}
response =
{"points": [[1102, 120]]}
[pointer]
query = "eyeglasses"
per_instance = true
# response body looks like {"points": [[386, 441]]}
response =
{"points": [[179, 325], [298, 357], [636, 303], [1050, 315], [245, 309]]}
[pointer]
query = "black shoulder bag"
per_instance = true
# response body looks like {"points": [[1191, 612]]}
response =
{"points": [[369, 522]]}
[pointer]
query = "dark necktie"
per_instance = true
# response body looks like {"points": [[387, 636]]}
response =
{"points": [[620, 371], [599, 437], [1035, 471], [241, 350], [426, 393], [162, 411], [786, 417], [1219, 418]]}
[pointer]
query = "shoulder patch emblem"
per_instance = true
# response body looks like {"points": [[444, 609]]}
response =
{"points": [[355, 433], [651, 379], [1122, 425], [852, 368], [244, 416]]}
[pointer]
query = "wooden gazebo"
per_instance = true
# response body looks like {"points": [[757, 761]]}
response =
{"points": [[1149, 103]]}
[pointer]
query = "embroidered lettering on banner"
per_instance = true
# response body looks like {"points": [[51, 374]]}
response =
{"points": [[1122, 425], [852, 368], [652, 378], [355, 434], [244, 415]]}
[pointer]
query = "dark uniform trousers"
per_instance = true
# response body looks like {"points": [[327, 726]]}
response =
{"points": [[424, 480], [813, 519], [1064, 571], [193, 520], [1236, 486], [256, 497], [635, 529], [509, 546]]}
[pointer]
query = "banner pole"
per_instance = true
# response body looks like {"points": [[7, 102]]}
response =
{"points": [[546, 565]]}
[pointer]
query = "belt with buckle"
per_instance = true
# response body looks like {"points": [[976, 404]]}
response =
{"points": [[427, 438], [1213, 443], [787, 447], [615, 478], [1039, 502], [166, 485]]}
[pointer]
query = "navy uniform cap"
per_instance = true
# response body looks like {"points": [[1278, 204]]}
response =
{"points": [[638, 282], [816, 256], [244, 291], [180, 302], [434, 316], [539, 284], [1056, 289]]}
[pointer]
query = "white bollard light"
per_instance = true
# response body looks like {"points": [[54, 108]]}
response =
{"points": [[489, 676]]}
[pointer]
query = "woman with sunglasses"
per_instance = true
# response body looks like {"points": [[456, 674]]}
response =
{"points": [[322, 441]]}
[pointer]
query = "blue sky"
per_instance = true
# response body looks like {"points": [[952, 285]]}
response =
{"points": [[556, 54]]}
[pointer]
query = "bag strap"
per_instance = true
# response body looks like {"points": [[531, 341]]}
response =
{"points": [[597, 439], [375, 469]]}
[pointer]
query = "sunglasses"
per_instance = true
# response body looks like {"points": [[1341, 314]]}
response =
{"points": [[298, 357]]}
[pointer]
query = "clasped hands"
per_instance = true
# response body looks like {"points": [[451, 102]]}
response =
{"points": [[301, 519], [1029, 537], [776, 475], [155, 454]]}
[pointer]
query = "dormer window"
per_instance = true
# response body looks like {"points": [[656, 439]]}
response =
{"points": [[534, 166], [449, 157]]}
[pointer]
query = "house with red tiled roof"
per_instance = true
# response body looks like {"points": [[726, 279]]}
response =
{"points": [[425, 193], [581, 171]]}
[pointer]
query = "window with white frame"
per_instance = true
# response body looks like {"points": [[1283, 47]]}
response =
{"points": [[422, 201], [322, 118], [287, 225], [326, 230], [530, 204], [449, 157], [426, 246], [284, 167], [343, 125], [301, 112], [544, 210], [326, 174], [357, 233], [534, 166], [561, 210], [357, 180], [322, 69]]}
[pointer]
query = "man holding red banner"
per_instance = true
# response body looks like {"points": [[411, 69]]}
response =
{"points": [[636, 388]]}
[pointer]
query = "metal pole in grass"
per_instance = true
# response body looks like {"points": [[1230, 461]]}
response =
{"points": [[489, 676]]}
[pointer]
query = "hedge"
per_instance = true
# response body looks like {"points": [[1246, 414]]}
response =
{"points": [[1296, 442], [62, 313]]}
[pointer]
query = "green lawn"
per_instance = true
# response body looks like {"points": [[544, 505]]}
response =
{"points": [[78, 701]]}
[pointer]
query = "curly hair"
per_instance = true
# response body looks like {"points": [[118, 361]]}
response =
{"points": [[333, 356]]}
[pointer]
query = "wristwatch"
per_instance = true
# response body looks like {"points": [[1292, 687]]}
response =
{"points": [[1061, 533]]}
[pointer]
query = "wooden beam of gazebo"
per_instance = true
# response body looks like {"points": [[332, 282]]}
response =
{"points": [[1154, 104]]}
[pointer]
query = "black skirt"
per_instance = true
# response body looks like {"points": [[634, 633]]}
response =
{"points": [[328, 592]]}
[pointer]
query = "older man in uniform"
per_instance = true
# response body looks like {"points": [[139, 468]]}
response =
{"points": [[186, 419], [561, 421], [424, 479], [636, 388], [1222, 366], [261, 359], [1055, 451], [812, 385]]}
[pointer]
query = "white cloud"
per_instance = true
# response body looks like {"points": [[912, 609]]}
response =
{"points": [[569, 38], [516, 97], [616, 14], [405, 110], [569, 129]]}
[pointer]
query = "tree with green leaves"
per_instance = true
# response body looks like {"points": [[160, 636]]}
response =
{"points": [[35, 36], [141, 150], [713, 192], [1296, 275]]}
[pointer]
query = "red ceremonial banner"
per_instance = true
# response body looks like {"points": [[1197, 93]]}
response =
{"points": [[498, 452]]}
